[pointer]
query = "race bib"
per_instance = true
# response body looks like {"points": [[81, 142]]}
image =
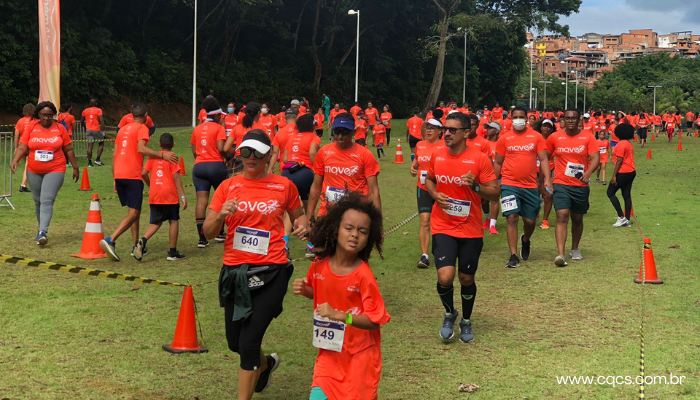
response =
{"points": [[423, 174], [228, 132], [508, 203], [572, 169], [328, 335], [334, 194], [603, 150], [458, 208], [43, 155], [251, 240]]}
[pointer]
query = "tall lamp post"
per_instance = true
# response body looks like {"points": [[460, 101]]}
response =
{"points": [[544, 107], [654, 86], [194, 71], [566, 83], [576, 94], [357, 50]]}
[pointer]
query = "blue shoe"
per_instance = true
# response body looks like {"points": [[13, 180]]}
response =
{"points": [[447, 331], [465, 331], [108, 246], [41, 238]]}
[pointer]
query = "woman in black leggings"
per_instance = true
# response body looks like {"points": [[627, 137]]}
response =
{"points": [[623, 174]]}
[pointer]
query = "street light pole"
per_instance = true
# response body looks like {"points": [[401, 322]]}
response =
{"points": [[357, 51], [576, 94], [194, 71], [654, 86], [566, 83], [585, 88], [464, 80], [544, 107]]}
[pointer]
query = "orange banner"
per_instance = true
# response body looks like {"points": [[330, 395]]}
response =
{"points": [[50, 51]]}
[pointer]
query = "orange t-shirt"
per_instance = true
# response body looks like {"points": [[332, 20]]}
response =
{"points": [[129, 118], [354, 110], [319, 118], [92, 118], [46, 148], [239, 131], [205, 137], [677, 118], [379, 134], [281, 120], [447, 170], [361, 129], [299, 145], [127, 160], [520, 157], [689, 116], [611, 130], [302, 110], [415, 125], [230, 121], [497, 113], [424, 152], [261, 207], [353, 373], [603, 146], [22, 123], [625, 150], [571, 153], [162, 189], [69, 121], [202, 115], [507, 125], [281, 140], [269, 122], [339, 168], [481, 144], [372, 115], [492, 146], [332, 115], [386, 117], [657, 119]]}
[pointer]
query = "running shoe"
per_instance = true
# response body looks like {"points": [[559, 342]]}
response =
{"points": [[221, 238], [273, 361], [545, 224], [487, 223], [560, 261], [310, 253], [575, 254], [524, 248], [42, 239], [466, 334], [621, 221], [175, 256], [109, 247], [90, 164], [513, 262], [98, 162], [144, 251], [137, 252], [24, 189], [424, 262], [603, 183], [203, 243], [493, 231], [447, 331], [597, 180]]}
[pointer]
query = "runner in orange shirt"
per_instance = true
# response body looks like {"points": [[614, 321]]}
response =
{"points": [[414, 131], [419, 167], [246, 124], [94, 130], [604, 147], [279, 143], [577, 157], [689, 119], [458, 178], [520, 153], [348, 306], [127, 164], [355, 109], [318, 123], [643, 122], [166, 192], [677, 119], [546, 128], [497, 112], [361, 128], [268, 121], [343, 166], [230, 119], [657, 124], [281, 122], [623, 175], [20, 126], [379, 137], [386, 119], [477, 141], [66, 118], [493, 131], [372, 116]]}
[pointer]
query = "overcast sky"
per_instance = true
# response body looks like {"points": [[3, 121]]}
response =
{"points": [[619, 16]]}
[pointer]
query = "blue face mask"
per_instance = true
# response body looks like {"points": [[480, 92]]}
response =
{"points": [[230, 109]]}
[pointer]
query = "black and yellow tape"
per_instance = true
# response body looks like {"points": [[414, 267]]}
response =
{"points": [[28, 262], [399, 225], [642, 311]]}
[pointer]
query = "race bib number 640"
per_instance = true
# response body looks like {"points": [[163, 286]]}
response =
{"points": [[251, 240]]}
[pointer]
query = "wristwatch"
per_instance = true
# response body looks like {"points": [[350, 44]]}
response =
{"points": [[476, 187]]}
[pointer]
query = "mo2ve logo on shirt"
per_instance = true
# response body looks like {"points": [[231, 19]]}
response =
{"points": [[577, 150], [528, 147], [263, 207], [349, 171], [447, 179], [37, 140]]}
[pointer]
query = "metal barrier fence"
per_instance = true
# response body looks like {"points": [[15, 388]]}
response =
{"points": [[79, 139], [7, 151]]}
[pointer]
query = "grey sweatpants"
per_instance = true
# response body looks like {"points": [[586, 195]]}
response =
{"points": [[44, 187]]}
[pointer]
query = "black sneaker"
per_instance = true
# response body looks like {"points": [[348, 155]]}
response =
{"points": [[137, 251], [524, 248], [98, 162], [514, 262], [424, 262], [175, 256], [203, 243], [90, 164], [273, 361], [24, 189], [221, 238]]}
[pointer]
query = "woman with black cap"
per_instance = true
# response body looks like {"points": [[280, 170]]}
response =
{"points": [[255, 271]]}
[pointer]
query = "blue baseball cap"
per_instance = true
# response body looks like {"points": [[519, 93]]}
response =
{"points": [[344, 121]]}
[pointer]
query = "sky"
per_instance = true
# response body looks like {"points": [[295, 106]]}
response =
{"points": [[619, 16]]}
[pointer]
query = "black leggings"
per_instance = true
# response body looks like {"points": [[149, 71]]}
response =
{"points": [[388, 136], [245, 336], [624, 183]]}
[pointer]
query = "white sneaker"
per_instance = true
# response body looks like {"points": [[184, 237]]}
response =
{"points": [[621, 221], [575, 254]]}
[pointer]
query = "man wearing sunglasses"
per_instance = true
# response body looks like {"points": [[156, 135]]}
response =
{"points": [[577, 157], [343, 166], [458, 178]]}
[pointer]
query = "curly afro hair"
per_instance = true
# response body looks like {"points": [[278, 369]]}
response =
{"points": [[324, 235]]}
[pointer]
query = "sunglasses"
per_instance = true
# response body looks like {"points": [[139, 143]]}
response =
{"points": [[246, 152], [453, 130], [342, 131]]}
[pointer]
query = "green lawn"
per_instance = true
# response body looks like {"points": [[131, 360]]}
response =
{"points": [[66, 336]]}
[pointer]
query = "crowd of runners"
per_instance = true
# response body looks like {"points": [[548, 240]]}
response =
{"points": [[273, 177]]}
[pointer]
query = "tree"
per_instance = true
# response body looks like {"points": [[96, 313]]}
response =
{"points": [[674, 100]]}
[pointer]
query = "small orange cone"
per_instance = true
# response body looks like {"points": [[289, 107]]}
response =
{"points": [[649, 154], [648, 266], [631, 212], [91, 249], [680, 146], [652, 137], [85, 183], [635, 138], [185, 340], [183, 171], [399, 153], [696, 133]]}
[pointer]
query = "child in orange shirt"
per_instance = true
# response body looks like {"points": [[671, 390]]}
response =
{"points": [[379, 135], [361, 128], [604, 147], [349, 308], [165, 186]]}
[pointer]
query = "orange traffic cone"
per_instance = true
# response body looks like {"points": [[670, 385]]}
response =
{"points": [[185, 340], [183, 171], [696, 133], [652, 137], [399, 153], [631, 212], [680, 146], [635, 138], [648, 266], [85, 183], [649, 154], [91, 249]]}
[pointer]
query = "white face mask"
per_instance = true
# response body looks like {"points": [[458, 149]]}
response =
{"points": [[519, 124], [264, 110]]}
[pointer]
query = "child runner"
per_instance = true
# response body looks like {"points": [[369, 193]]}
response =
{"points": [[348, 306], [361, 128], [163, 199], [604, 146], [379, 136], [547, 127]]}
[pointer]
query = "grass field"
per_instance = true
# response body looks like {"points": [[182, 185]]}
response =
{"points": [[66, 336]]}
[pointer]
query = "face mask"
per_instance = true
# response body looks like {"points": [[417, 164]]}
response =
{"points": [[230, 109], [519, 124], [264, 110]]}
